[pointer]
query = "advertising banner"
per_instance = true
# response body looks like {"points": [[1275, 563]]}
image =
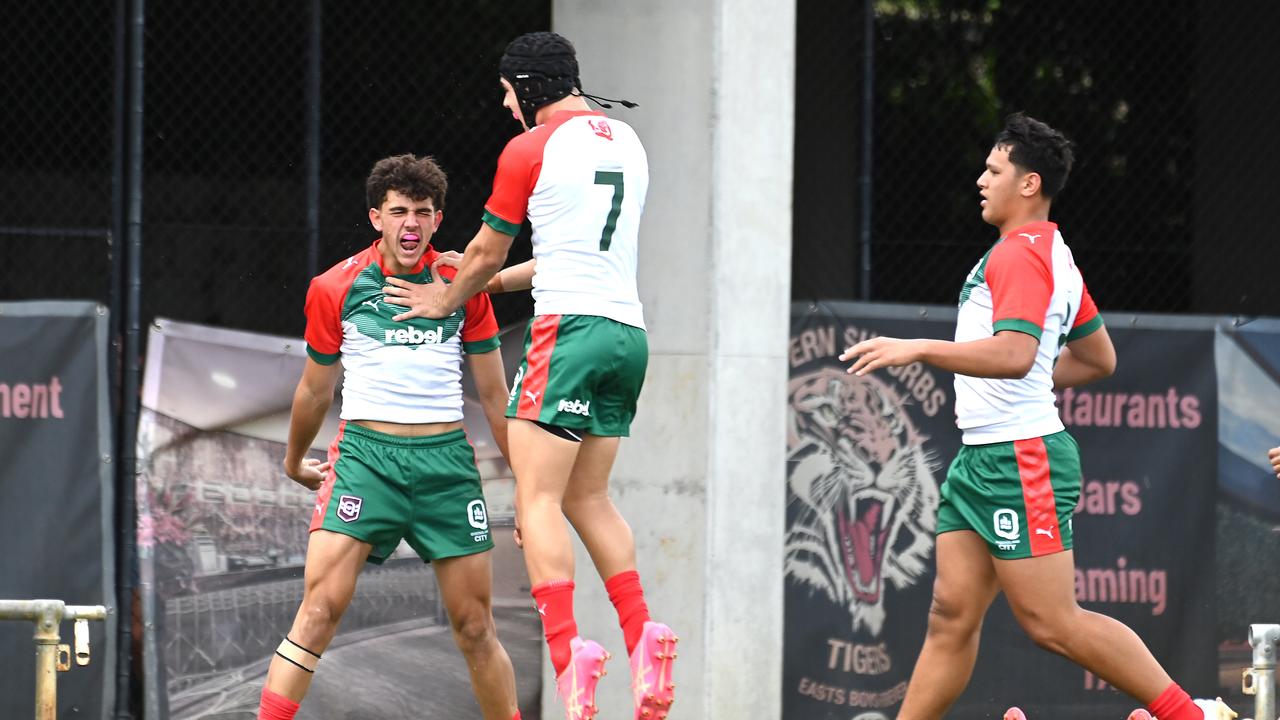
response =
{"points": [[1248, 531], [867, 456], [56, 486]]}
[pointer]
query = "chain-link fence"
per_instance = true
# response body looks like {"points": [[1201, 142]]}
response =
{"points": [[260, 123], [56, 149], [1157, 217], [228, 628], [263, 121]]}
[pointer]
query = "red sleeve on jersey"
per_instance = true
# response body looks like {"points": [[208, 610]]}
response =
{"points": [[1088, 311], [1087, 318], [324, 318], [518, 169], [1021, 282], [480, 328]]}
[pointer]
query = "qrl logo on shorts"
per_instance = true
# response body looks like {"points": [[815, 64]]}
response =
{"points": [[349, 508], [1005, 523], [477, 516]]}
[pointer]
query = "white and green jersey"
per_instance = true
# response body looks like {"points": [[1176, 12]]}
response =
{"points": [[403, 372], [1029, 283], [581, 179]]}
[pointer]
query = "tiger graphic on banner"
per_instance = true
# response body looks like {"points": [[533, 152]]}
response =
{"points": [[865, 486]]}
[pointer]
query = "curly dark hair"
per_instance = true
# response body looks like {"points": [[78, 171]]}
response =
{"points": [[418, 178], [1036, 147]]}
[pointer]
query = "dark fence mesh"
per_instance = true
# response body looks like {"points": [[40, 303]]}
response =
{"points": [[228, 144], [1166, 210], [56, 143], [1125, 211], [1158, 220], [224, 204]]}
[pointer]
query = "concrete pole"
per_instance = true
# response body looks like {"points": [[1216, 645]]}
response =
{"points": [[701, 479]]}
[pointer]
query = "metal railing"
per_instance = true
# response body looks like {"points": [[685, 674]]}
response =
{"points": [[52, 655], [1260, 680], [219, 630]]}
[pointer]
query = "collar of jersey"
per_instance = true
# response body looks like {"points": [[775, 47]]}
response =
{"points": [[562, 116], [1048, 225], [424, 261]]}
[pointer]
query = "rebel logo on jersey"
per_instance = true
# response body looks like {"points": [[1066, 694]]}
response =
{"points": [[371, 315]]}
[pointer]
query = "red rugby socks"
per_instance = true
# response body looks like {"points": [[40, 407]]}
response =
{"points": [[554, 600], [1175, 704], [276, 707], [628, 598]]}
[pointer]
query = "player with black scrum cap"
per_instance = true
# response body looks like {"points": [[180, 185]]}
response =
{"points": [[580, 178]]}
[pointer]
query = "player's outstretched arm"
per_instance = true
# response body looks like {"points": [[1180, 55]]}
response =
{"points": [[1007, 354], [1086, 360], [1274, 456], [481, 260], [491, 385], [514, 278], [311, 402], [510, 279]]}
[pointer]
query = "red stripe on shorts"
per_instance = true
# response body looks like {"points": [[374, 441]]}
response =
{"points": [[1037, 496], [542, 342], [325, 493]]}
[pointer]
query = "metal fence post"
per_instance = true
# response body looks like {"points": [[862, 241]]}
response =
{"points": [[48, 615], [47, 640], [1260, 680]]}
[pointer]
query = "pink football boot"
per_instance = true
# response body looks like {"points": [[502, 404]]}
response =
{"points": [[651, 683], [576, 686]]}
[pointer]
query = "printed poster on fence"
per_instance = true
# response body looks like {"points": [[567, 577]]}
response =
{"points": [[222, 536], [1247, 584], [866, 458], [56, 470]]}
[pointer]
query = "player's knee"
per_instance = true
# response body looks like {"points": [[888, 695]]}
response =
{"points": [[1047, 637], [537, 501], [319, 616], [584, 504], [473, 630], [951, 614]]}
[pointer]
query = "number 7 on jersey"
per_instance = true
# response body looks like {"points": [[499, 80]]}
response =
{"points": [[606, 177]]}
